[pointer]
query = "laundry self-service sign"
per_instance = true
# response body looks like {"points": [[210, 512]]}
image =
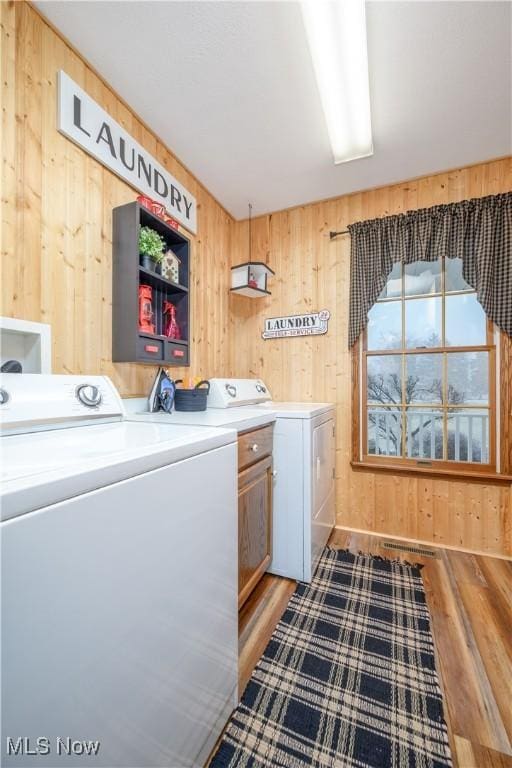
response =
{"points": [[83, 121], [313, 324]]}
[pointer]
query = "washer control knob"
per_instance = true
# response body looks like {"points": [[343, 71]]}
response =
{"points": [[231, 390], [4, 396], [89, 395]]}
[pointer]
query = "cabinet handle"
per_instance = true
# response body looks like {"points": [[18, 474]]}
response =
{"points": [[255, 448]]}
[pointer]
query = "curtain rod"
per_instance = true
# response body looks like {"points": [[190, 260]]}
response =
{"points": [[500, 195]]}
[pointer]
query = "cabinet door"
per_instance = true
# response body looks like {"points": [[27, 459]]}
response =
{"points": [[254, 525]]}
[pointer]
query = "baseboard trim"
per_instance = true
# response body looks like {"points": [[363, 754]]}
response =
{"points": [[424, 542]]}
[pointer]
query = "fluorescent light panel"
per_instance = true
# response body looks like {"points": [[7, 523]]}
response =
{"points": [[336, 31]]}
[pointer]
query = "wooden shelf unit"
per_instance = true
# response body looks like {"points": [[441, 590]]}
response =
{"points": [[129, 343]]}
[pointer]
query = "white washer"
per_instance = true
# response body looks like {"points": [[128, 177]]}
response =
{"points": [[119, 579]]}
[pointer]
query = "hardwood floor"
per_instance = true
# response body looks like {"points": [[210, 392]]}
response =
{"points": [[257, 620], [470, 603]]}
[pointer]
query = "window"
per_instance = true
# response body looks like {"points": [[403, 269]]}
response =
{"points": [[428, 368]]}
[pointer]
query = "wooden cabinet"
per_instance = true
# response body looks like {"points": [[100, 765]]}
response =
{"points": [[254, 509]]}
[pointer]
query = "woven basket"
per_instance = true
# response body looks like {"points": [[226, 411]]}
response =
{"points": [[191, 399]]}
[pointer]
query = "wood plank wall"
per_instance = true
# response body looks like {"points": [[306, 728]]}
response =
{"points": [[57, 216], [312, 273], [56, 267]]}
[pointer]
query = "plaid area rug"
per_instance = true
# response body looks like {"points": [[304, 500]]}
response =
{"points": [[348, 677]]}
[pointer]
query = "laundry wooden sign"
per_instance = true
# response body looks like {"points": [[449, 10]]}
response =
{"points": [[83, 121], [313, 324]]}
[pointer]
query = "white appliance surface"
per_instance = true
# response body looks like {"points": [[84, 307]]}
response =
{"points": [[232, 393], [304, 462], [303, 457], [241, 419], [322, 444], [57, 464], [296, 410], [32, 401], [28, 342], [119, 580], [304, 493]]}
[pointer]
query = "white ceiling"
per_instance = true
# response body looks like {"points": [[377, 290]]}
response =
{"points": [[229, 87]]}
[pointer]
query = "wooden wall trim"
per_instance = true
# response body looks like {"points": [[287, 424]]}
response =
{"points": [[505, 393], [424, 543], [489, 478], [356, 402]]}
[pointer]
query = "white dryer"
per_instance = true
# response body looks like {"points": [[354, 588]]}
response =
{"points": [[119, 580], [304, 508]]}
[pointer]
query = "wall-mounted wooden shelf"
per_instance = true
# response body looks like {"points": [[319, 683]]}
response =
{"points": [[130, 344]]}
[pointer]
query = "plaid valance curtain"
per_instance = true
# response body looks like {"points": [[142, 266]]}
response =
{"points": [[477, 231]]}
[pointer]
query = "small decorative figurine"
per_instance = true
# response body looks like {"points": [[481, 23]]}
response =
{"points": [[158, 209], [171, 267], [252, 282], [172, 329], [146, 309], [170, 221]]}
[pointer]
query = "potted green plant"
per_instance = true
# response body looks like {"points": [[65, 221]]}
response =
{"points": [[151, 246]]}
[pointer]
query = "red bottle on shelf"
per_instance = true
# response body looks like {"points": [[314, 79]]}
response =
{"points": [[172, 329], [146, 309]]}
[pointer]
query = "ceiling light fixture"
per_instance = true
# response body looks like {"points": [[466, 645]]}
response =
{"points": [[336, 32]]}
